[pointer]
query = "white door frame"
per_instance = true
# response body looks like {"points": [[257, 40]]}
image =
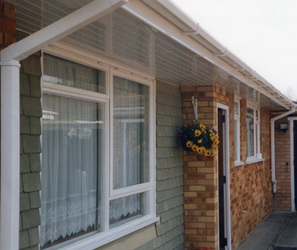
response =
{"points": [[291, 120], [227, 174]]}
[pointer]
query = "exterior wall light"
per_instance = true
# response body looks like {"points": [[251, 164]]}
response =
{"points": [[283, 126]]}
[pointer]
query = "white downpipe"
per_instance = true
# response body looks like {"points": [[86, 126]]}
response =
{"points": [[10, 155], [272, 124]]}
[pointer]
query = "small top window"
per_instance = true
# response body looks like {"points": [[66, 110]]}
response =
{"points": [[71, 74], [237, 132], [253, 134]]}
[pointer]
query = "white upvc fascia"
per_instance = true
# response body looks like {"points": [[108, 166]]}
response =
{"points": [[10, 154], [170, 29]]}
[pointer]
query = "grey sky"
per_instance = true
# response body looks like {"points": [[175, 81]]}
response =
{"points": [[262, 33]]}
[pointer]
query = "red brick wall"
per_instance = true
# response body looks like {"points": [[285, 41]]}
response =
{"points": [[250, 184], [7, 25], [282, 199]]}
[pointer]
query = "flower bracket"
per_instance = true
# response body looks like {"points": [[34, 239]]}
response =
{"points": [[195, 106]]}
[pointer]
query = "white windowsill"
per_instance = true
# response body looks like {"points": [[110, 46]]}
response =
{"points": [[253, 160], [238, 163], [103, 238]]}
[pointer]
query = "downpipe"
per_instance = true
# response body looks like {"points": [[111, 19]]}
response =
{"points": [[272, 123]]}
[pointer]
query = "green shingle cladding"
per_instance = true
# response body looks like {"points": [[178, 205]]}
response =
{"points": [[170, 229], [30, 92]]}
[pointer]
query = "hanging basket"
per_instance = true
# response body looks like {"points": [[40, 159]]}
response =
{"points": [[198, 138]]}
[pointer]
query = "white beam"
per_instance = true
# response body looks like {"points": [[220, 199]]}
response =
{"points": [[61, 28], [10, 155]]}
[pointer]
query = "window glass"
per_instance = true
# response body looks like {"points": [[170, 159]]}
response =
{"points": [[236, 131], [72, 162], [236, 108], [61, 71], [75, 200], [125, 208], [130, 133], [250, 132], [236, 139]]}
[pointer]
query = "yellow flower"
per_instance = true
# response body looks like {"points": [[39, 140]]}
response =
{"points": [[203, 149], [194, 148], [197, 132], [216, 142], [200, 141], [212, 138], [216, 149], [202, 126], [207, 153], [213, 154], [189, 144], [199, 150]]}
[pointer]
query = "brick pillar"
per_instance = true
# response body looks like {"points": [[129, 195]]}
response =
{"points": [[200, 176], [7, 25]]}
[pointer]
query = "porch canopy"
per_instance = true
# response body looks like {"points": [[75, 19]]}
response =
{"points": [[156, 38], [152, 36]]}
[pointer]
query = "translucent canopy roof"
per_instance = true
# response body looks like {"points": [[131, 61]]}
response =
{"points": [[124, 38]]}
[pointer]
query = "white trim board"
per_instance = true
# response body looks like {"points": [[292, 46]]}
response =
{"points": [[227, 174]]}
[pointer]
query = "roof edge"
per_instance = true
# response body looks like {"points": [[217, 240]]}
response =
{"points": [[220, 55]]}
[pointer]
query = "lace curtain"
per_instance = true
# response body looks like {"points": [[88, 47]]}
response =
{"points": [[71, 138], [73, 151], [130, 144]]}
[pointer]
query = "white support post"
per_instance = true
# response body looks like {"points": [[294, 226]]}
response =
{"points": [[10, 154]]}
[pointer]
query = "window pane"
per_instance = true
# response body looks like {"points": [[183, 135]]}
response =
{"points": [[250, 132], [236, 140], [236, 108], [60, 71], [72, 163], [124, 208], [130, 133]]}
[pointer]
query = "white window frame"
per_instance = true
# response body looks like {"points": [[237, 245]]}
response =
{"points": [[108, 234], [257, 156], [237, 158], [121, 192]]}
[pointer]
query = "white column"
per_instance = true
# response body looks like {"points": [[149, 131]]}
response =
{"points": [[10, 155]]}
